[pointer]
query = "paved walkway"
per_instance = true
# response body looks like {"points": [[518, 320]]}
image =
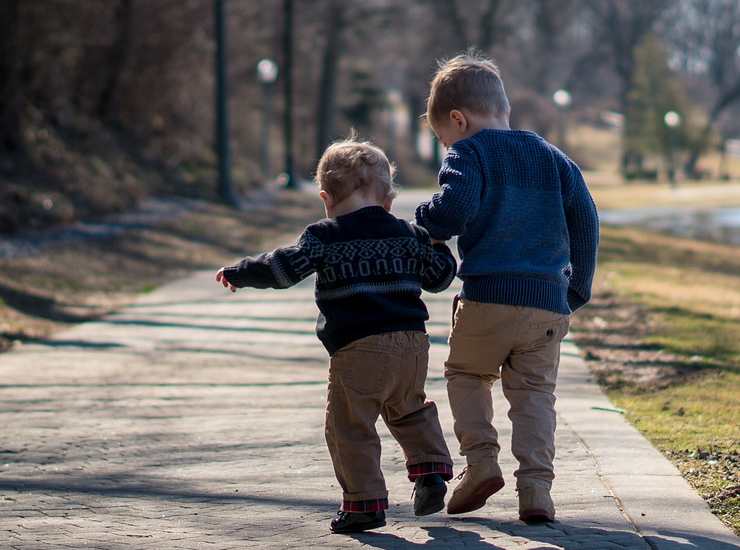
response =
{"points": [[193, 419]]}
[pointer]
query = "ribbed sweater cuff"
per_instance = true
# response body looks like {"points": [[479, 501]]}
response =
{"points": [[538, 293]]}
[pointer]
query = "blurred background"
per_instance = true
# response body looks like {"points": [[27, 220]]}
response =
{"points": [[130, 130], [103, 103]]}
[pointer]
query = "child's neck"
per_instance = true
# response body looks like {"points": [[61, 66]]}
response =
{"points": [[489, 123], [356, 201]]}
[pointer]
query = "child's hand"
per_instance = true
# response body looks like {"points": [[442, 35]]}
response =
{"points": [[221, 278]]}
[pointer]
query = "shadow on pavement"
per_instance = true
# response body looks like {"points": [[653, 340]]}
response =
{"points": [[593, 534], [166, 324], [440, 537], [118, 486], [563, 535], [36, 305]]}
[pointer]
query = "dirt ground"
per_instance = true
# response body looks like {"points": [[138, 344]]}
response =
{"points": [[658, 390], [44, 293]]}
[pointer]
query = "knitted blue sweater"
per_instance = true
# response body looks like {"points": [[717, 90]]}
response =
{"points": [[528, 226]]}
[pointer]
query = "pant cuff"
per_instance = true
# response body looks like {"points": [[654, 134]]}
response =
{"points": [[426, 468], [372, 505], [481, 455]]}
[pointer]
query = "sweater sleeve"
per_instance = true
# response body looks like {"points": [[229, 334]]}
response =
{"points": [[281, 268], [583, 230], [439, 266], [458, 200]]}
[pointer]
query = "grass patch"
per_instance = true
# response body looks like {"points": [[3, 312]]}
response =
{"points": [[664, 338], [610, 192], [78, 282]]}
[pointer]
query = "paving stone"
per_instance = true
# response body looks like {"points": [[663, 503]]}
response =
{"points": [[194, 419]]}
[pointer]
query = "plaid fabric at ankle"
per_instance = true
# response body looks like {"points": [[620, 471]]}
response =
{"points": [[426, 468], [374, 505]]}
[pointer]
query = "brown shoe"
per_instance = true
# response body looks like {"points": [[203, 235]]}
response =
{"points": [[479, 481], [535, 503]]}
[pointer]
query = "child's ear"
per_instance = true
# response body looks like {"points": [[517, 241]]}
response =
{"points": [[388, 202], [327, 198], [458, 120]]}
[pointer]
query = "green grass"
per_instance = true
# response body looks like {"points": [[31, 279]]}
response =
{"points": [[691, 294]]}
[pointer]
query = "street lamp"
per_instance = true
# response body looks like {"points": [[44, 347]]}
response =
{"points": [[223, 152], [394, 105], [672, 120], [562, 100], [287, 40], [267, 73]]}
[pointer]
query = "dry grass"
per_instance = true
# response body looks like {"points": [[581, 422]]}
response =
{"points": [[74, 283], [599, 150], [610, 193], [664, 337]]}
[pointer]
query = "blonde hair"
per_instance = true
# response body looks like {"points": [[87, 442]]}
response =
{"points": [[350, 165], [469, 81]]}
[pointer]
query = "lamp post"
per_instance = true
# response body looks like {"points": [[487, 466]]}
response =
{"points": [[290, 181], [672, 120], [394, 103], [222, 107], [562, 100], [267, 73]]}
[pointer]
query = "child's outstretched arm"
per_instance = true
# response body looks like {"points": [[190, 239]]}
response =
{"points": [[281, 268], [439, 266], [583, 230], [458, 199]]}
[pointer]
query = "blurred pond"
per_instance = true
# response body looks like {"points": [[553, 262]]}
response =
{"points": [[711, 224]]}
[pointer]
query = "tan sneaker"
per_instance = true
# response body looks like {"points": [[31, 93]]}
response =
{"points": [[535, 503], [479, 481]]}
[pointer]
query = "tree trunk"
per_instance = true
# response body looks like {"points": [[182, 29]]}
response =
{"points": [[700, 146], [414, 103], [11, 95], [116, 58], [328, 81]]}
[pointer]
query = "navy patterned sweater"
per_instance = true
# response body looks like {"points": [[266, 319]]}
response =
{"points": [[528, 227], [370, 266]]}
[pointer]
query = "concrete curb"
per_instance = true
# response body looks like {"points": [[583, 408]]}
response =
{"points": [[650, 491]]}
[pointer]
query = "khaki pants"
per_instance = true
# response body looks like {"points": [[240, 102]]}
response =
{"points": [[380, 375], [521, 346]]}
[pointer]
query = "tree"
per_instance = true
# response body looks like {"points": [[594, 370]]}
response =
{"points": [[326, 109], [619, 27], [707, 37], [656, 91], [494, 23]]}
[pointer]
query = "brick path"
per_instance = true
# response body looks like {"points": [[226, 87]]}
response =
{"points": [[193, 419]]}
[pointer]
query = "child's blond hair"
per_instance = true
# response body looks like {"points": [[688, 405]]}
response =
{"points": [[468, 81], [350, 165]]}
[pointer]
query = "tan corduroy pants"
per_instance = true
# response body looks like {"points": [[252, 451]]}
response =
{"points": [[521, 346], [380, 375]]}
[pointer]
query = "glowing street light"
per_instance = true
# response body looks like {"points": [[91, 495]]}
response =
{"points": [[562, 100], [267, 73], [672, 120]]}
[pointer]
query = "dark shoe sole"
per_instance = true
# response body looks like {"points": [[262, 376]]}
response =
{"points": [[359, 528], [478, 499], [536, 516], [433, 500]]}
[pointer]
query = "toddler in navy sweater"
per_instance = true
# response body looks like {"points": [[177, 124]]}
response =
{"points": [[528, 235], [371, 268]]}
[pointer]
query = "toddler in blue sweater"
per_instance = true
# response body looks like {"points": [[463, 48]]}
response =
{"points": [[528, 236]]}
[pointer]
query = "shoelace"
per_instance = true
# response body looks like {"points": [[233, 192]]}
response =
{"points": [[413, 492]]}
